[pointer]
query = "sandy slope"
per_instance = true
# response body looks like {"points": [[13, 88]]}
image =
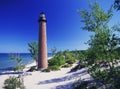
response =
{"points": [[53, 80]]}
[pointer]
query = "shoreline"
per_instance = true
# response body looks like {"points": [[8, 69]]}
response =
{"points": [[30, 63], [34, 63], [49, 80]]}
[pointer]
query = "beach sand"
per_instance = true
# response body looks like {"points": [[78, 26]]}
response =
{"points": [[61, 79]]}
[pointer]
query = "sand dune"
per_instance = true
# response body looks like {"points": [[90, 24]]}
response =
{"points": [[61, 79]]}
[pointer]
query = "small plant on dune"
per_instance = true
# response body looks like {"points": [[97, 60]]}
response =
{"points": [[16, 57], [69, 57], [13, 83], [54, 68], [19, 67], [61, 59], [57, 60], [33, 48]]}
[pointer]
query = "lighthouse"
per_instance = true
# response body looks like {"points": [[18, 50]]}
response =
{"points": [[42, 43]]}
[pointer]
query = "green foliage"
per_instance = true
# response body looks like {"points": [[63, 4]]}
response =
{"points": [[69, 57], [53, 50], [16, 57], [96, 18], [103, 44], [60, 53], [79, 84], [52, 61], [19, 67], [117, 4], [54, 68], [70, 61], [83, 55], [93, 86], [56, 62], [33, 48], [109, 78], [59, 60], [13, 83], [118, 50], [62, 59]]}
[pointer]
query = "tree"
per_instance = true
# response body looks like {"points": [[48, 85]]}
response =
{"points": [[53, 51], [12, 82], [117, 4], [33, 48], [16, 57], [102, 44]]}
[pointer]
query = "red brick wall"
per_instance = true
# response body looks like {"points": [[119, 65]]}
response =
{"points": [[42, 53]]}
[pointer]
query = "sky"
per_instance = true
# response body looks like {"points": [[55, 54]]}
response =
{"points": [[19, 23]]}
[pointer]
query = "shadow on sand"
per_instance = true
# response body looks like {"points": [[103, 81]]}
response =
{"points": [[70, 85], [8, 70], [65, 78], [66, 86]]}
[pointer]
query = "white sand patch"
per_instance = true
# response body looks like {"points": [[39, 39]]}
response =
{"points": [[61, 79]]}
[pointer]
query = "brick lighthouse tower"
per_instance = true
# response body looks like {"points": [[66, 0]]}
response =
{"points": [[42, 51]]}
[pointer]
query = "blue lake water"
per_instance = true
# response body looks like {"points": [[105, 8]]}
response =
{"points": [[6, 62]]}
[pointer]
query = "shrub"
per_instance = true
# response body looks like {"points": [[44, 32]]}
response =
{"points": [[70, 61], [56, 61], [52, 62], [61, 62], [54, 68], [19, 67], [13, 83], [93, 87], [80, 84]]}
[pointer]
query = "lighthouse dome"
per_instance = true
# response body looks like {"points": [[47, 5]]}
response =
{"points": [[42, 15]]}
